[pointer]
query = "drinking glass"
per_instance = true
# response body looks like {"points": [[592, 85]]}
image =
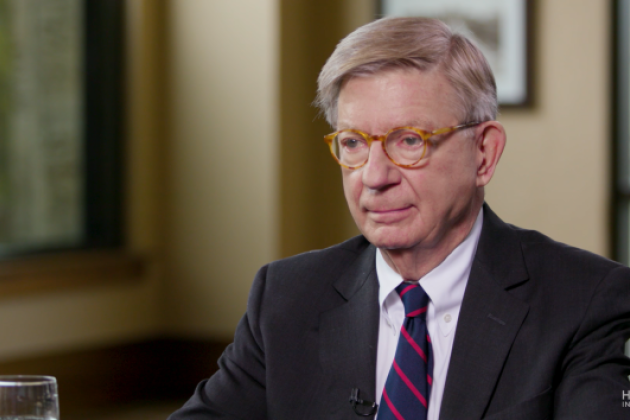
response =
{"points": [[24, 397]]}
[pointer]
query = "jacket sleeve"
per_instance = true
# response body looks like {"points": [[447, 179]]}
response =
{"points": [[237, 391], [595, 370]]}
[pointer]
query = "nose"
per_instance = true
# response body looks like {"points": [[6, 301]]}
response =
{"points": [[379, 172]]}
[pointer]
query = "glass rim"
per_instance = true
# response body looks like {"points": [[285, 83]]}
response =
{"points": [[26, 380], [331, 139]]}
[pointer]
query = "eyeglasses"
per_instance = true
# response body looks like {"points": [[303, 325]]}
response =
{"points": [[404, 146]]}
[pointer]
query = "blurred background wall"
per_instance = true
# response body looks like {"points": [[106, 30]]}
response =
{"points": [[226, 168]]}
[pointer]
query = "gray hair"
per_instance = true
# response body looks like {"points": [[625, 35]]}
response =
{"points": [[412, 42]]}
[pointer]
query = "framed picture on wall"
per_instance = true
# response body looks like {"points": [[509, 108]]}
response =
{"points": [[499, 27]]}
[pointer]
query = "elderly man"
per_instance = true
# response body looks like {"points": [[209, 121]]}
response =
{"points": [[439, 310]]}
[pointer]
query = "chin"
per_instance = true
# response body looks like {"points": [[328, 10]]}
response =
{"points": [[389, 240]]}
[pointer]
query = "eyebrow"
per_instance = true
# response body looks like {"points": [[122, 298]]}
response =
{"points": [[415, 123]]}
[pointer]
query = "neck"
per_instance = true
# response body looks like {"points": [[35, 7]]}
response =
{"points": [[414, 263]]}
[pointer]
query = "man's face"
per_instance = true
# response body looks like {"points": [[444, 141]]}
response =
{"points": [[398, 208]]}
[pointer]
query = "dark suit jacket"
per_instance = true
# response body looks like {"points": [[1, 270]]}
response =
{"points": [[540, 335]]}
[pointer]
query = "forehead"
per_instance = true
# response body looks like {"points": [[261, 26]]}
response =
{"points": [[397, 97]]}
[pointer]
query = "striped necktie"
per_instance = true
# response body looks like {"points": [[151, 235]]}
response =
{"points": [[408, 385]]}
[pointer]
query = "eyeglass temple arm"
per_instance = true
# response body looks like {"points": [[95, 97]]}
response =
{"points": [[457, 127]]}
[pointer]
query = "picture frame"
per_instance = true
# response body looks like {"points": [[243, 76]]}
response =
{"points": [[501, 29]]}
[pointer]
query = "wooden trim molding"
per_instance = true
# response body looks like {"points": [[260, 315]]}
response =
{"points": [[57, 271], [94, 380]]}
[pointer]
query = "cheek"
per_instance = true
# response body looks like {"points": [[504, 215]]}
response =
{"points": [[443, 181], [461, 167], [352, 186]]}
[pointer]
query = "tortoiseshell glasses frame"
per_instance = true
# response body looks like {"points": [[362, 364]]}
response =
{"points": [[399, 141]]}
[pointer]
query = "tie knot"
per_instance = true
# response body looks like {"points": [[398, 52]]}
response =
{"points": [[414, 298]]}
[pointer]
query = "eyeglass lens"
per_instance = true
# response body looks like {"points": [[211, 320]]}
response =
{"points": [[405, 147]]}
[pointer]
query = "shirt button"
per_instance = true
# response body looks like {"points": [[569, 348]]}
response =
{"points": [[447, 318]]}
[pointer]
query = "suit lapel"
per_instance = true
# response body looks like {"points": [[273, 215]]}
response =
{"points": [[349, 335], [489, 320]]}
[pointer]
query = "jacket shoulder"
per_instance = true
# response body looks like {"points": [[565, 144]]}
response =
{"points": [[513, 254], [329, 260], [567, 275], [541, 249]]}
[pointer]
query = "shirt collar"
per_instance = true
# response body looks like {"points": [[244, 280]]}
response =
{"points": [[445, 284]]}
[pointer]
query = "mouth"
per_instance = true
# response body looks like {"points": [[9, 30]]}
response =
{"points": [[388, 215]]}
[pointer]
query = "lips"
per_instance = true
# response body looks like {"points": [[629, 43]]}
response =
{"points": [[388, 215]]}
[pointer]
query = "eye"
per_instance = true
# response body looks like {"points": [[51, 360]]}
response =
{"points": [[351, 141], [412, 140], [404, 139]]}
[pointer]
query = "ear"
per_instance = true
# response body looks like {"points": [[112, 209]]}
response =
{"points": [[490, 146]]}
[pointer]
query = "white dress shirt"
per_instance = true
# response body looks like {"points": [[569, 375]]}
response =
{"points": [[445, 285]]}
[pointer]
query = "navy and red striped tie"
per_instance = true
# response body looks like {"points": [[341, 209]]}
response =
{"points": [[408, 385]]}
